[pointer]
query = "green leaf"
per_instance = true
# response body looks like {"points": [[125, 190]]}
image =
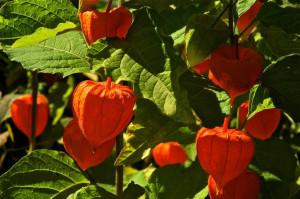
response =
{"points": [[279, 42], [276, 157], [57, 104], [282, 80], [145, 132], [65, 53], [92, 192], [209, 103], [202, 36], [259, 100], [243, 6], [5, 103], [133, 191], [42, 34], [152, 65], [176, 182], [287, 18], [42, 174], [23, 17]]}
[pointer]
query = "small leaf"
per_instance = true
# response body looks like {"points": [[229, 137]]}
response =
{"points": [[58, 104], [202, 36], [133, 191], [42, 174], [276, 157], [243, 6], [279, 42], [65, 53], [176, 182], [272, 14], [259, 100], [282, 80], [92, 192], [209, 103], [5, 103], [146, 131]]}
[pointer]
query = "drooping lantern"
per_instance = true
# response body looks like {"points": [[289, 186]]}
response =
{"points": [[21, 114], [263, 124], [245, 186], [236, 75], [103, 109], [168, 153], [81, 150], [224, 153], [111, 23]]}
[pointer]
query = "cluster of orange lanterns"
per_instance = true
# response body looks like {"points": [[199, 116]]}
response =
{"points": [[102, 110]]}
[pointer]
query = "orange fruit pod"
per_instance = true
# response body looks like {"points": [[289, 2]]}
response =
{"points": [[21, 114], [263, 124], [103, 109], [168, 153], [81, 150], [235, 75], [246, 18], [224, 153], [203, 67], [112, 23], [245, 186]]}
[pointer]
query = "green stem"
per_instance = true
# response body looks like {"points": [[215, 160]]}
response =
{"points": [[231, 22], [119, 169], [222, 13], [34, 110]]}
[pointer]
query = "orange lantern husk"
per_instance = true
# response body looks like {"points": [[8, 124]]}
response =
{"points": [[21, 114], [103, 109], [245, 186], [246, 18], [113, 23], [81, 150], [263, 124], [235, 75], [168, 153], [224, 153]]}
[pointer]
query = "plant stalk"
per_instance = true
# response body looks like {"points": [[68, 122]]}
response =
{"points": [[231, 22], [34, 86], [119, 169]]}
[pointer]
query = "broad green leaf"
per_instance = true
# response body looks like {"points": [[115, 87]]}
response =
{"points": [[287, 18], [203, 34], [145, 132], [23, 17], [57, 104], [42, 34], [5, 103], [282, 80], [176, 182], [65, 53], [279, 42], [92, 192], [152, 66], [276, 157], [259, 100], [209, 103], [243, 6], [42, 174]]}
